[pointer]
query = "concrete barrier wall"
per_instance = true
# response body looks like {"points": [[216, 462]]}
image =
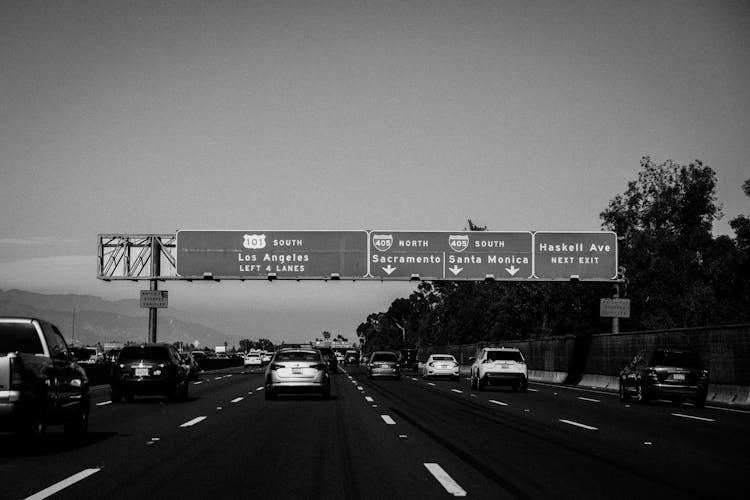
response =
{"points": [[596, 360]]}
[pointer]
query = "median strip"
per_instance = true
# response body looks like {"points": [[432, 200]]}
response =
{"points": [[191, 423], [447, 482], [47, 492], [577, 424]]}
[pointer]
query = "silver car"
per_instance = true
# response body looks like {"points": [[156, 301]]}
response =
{"points": [[297, 370]]}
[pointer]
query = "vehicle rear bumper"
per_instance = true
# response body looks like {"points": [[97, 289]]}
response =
{"points": [[442, 372], [502, 378], [384, 372], [298, 386], [671, 390]]}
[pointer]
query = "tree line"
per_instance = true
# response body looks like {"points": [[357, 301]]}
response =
{"points": [[677, 274]]}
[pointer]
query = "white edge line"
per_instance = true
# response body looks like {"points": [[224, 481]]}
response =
{"points": [[447, 482], [47, 492], [589, 399], [498, 402], [103, 403], [457, 390], [190, 423], [704, 419], [582, 426]]}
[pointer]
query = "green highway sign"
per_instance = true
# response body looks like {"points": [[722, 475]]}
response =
{"points": [[581, 255], [456, 255], [271, 254]]}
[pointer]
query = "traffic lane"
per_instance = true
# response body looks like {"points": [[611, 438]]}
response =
{"points": [[294, 446], [521, 437], [713, 440], [456, 474], [112, 428]]}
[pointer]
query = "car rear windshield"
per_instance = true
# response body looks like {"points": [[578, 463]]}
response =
{"points": [[384, 356], [147, 352], [676, 359], [298, 356], [19, 337], [443, 358], [504, 356]]}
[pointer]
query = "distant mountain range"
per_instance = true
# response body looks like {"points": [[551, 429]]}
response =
{"points": [[98, 320]]}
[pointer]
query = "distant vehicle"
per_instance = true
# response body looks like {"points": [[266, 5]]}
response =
{"points": [[87, 354], [440, 365], [351, 358], [330, 357], [253, 359], [409, 359], [266, 357], [297, 371], [384, 364], [499, 366], [149, 369], [193, 369], [671, 374], [41, 382], [110, 356]]}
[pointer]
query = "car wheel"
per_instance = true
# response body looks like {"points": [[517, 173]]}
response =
{"points": [[699, 402], [77, 427], [326, 394], [473, 382], [677, 401], [640, 393], [32, 432], [624, 396], [524, 387], [115, 395], [128, 397], [184, 392], [270, 395], [480, 384]]}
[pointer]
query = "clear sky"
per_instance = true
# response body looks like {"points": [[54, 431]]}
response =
{"points": [[137, 117]]}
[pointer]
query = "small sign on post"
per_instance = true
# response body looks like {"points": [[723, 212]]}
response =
{"points": [[614, 308], [154, 299]]}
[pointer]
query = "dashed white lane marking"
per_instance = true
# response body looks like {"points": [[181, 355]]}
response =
{"points": [[589, 399], [197, 383], [457, 390], [498, 402], [250, 392], [259, 388], [693, 417], [450, 485], [191, 423], [532, 390], [368, 399], [359, 387], [430, 383], [388, 420], [237, 400], [47, 492], [578, 424], [103, 403]]}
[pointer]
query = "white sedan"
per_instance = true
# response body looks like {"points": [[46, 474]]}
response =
{"points": [[440, 365], [253, 359]]}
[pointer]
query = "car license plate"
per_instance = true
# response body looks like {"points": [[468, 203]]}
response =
{"points": [[678, 376], [141, 372], [296, 371]]}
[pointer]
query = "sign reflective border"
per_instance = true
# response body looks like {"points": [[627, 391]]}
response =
{"points": [[456, 256], [255, 254], [575, 255]]}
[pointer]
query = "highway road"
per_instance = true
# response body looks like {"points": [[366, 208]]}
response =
{"points": [[386, 439]]}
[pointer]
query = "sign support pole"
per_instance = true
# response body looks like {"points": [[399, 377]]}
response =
{"points": [[155, 271], [616, 320]]}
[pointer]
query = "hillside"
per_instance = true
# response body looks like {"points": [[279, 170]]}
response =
{"points": [[100, 320]]}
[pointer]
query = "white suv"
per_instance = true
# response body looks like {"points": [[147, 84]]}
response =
{"points": [[499, 366]]}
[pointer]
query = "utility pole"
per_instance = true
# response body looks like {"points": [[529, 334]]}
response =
{"points": [[74, 325]]}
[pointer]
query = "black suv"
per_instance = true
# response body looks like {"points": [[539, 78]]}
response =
{"points": [[330, 357], [665, 374], [149, 369]]}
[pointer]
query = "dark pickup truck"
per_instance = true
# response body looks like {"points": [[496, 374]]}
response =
{"points": [[40, 382]]}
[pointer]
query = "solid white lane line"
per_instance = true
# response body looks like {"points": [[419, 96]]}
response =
{"points": [[681, 415], [430, 383], [259, 388], [368, 399], [577, 424], [445, 480], [498, 402], [458, 391], [103, 403], [589, 399], [196, 420], [237, 400], [532, 390], [47, 492], [198, 383], [388, 420]]}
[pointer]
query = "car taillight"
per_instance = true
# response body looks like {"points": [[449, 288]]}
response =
{"points": [[275, 366], [318, 366]]}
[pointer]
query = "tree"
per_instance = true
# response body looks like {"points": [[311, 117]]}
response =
{"points": [[326, 334]]}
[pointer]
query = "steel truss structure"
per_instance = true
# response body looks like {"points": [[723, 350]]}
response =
{"points": [[131, 257]]}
